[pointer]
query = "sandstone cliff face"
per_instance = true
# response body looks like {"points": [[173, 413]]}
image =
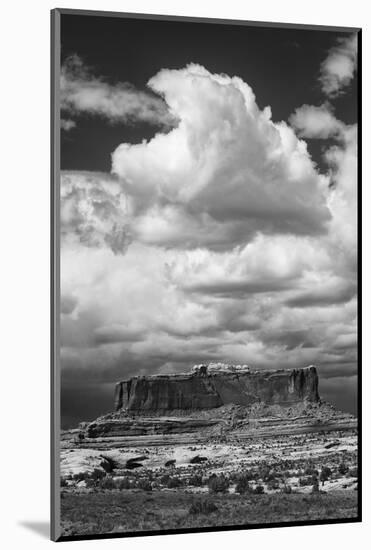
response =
{"points": [[205, 390]]}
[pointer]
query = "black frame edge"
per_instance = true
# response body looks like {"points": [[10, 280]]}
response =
{"points": [[194, 19], [55, 43]]}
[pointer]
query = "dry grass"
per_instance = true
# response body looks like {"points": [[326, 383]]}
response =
{"points": [[132, 511]]}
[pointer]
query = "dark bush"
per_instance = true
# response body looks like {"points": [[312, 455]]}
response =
{"points": [[97, 474], [243, 485], [123, 483], [144, 484], [325, 474], [310, 471], [80, 476], [315, 486], [343, 469], [259, 490], [218, 484], [107, 483], [198, 459], [133, 465], [164, 479], [273, 484], [305, 481], [286, 489], [174, 483], [108, 464], [195, 480], [264, 473], [203, 507]]}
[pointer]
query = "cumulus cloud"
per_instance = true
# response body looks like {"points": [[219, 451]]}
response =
{"points": [[336, 292], [83, 93], [338, 69], [226, 166], [316, 122]]}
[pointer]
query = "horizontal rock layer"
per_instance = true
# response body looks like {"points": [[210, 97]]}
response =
{"points": [[204, 390]]}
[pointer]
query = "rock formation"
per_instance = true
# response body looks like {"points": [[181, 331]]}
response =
{"points": [[206, 388]]}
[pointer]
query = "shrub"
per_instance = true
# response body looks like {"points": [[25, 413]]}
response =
{"points": [[80, 476], [173, 483], [243, 485], [343, 469], [264, 473], [315, 486], [164, 479], [325, 474], [97, 474], [144, 484], [259, 490], [218, 484], [195, 480], [64, 482], [107, 483], [123, 483], [108, 464], [305, 481], [286, 489], [310, 471], [203, 507], [198, 459], [273, 484]]}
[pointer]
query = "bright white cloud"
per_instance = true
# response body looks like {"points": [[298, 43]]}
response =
{"points": [[337, 70], [226, 166], [316, 122]]}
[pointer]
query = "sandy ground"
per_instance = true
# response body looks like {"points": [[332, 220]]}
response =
{"points": [[322, 449]]}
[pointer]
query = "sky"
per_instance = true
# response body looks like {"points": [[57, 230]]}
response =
{"points": [[208, 203]]}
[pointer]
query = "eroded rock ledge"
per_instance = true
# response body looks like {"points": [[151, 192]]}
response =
{"points": [[211, 386]]}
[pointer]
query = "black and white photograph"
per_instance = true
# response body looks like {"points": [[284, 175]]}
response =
{"points": [[207, 240]]}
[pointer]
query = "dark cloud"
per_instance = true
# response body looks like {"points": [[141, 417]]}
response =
{"points": [[85, 401], [68, 304], [290, 339], [341, 392], [117, 333], [324, 297], [239, 288]]}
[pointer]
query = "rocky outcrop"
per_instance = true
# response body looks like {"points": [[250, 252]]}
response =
{"points": [[207, 389]]}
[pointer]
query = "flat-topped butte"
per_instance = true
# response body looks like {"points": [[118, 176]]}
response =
{"points": [[211, 386]]}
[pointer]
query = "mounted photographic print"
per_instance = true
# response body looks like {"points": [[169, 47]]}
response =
{"points": [[204, 277]]}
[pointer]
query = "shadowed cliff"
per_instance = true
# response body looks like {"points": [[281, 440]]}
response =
{"points": [[206, 388]]}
